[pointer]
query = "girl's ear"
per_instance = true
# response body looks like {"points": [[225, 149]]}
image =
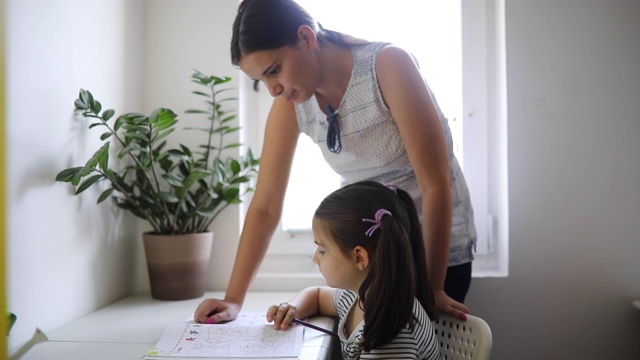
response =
{"points": [[307, 36], [361, 257]]}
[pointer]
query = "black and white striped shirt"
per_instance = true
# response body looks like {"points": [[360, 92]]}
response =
{"points": [[418, 343]]}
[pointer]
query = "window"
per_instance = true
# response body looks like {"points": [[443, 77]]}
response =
{"points": [[438, 24], [459, 46]]}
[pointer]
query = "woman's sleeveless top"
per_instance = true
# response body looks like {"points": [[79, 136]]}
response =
{"points": [[372, 148]]}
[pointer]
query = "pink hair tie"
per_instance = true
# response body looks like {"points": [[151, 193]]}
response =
{"points": [[379, 214], [393, 188]]}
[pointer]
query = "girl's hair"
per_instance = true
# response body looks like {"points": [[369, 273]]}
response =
{"points": [[272, 24], [398, 266]]}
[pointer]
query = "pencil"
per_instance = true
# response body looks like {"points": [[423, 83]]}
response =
{"points": [[314, 327]]}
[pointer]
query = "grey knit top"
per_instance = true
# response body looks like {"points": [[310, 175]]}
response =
{"points": [[372, 148]]}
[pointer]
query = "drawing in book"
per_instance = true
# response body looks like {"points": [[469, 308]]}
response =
{"points": [[250, 341], [248, 336]]}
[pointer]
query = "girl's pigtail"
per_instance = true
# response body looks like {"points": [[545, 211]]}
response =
{"points": [[387, 292]]}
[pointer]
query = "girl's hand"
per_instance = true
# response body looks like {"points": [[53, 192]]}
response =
{"points": [[447, 306], [281, 314]]}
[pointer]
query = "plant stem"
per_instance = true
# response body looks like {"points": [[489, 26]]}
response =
{"points": [[153, 171], [211, 127], [149, 217]]}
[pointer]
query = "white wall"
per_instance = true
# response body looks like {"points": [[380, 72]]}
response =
{"points": [[573, 79], [66, 256]]}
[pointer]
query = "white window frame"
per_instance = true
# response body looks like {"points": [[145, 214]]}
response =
{"points": [[288, 265], [485, 132]]}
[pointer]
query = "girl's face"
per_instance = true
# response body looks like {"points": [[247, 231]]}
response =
{"points": [[288, 71], [339, 270]]}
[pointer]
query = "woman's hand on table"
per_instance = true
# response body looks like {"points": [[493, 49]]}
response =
{"points": [[215, 311]]}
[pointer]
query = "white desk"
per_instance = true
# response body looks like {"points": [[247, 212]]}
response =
{"points": [[127, 329]]}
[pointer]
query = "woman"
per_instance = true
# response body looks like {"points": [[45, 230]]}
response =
{"points": [[368, 108]]}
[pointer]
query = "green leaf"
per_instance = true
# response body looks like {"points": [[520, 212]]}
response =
{"points": [[205, 214], [241, 179], [221, 80], [228, 130], [104, 161], [84, 171], [165, 164], [198, 175], [80, 105], [163, 134], [229, 118], [122, 153], [235, 167], [138, 120], [132, 135], [212, 194], [165, 126], [87, 183], [97, 156], [119, 122], [168, 197], [231, 146], [160, 117], [91, 102], [105, 195], [105, 136], [176, 152], [107, 114], [85, 97], [186, 150], [77, 177], [232, 195], [96, 107], [67, 174], [136, 128], [174, 180]]}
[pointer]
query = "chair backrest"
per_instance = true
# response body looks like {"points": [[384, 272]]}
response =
{"points": [[459, 340]]}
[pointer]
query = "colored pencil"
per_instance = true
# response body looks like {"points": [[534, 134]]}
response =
{"points": [[314, 327]]}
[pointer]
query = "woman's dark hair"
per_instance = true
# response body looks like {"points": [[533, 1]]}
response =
{"points": [[398, 266], [272, 24]]}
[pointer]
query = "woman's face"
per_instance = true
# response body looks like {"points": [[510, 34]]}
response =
{"points": [[289, 71]]}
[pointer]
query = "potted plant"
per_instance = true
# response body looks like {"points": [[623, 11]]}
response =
{"points": [[178, 190]]}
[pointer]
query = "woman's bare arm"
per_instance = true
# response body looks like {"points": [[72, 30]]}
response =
{"points": [[263, 215], [407, 96]]}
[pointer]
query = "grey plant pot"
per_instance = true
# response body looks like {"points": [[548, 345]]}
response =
{"points": [[177, 264]]}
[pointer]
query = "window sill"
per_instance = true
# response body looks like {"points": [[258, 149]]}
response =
{"points": [[294, 272]]}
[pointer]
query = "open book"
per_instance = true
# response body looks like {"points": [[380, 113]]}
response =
{"points": [[249, 336]]}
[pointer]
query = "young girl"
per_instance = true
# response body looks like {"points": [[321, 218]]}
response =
{"points": [[374, 118], [371, 253]]}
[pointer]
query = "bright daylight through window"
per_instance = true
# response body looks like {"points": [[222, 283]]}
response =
{"points": [[441, 29]]}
